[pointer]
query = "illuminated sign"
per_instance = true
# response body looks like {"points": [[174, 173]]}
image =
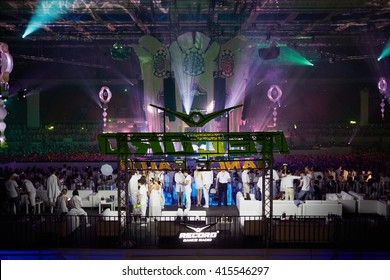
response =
{"points": [[198, 235], [192, 144], [164, 165]]}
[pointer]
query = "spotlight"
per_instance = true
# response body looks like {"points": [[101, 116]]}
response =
{"points": [[385, 51], [22, 94], [4, 94], [119, 52], [269, 53]]}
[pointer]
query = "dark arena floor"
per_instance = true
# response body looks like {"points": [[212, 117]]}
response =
{"points": [[46, 236]]}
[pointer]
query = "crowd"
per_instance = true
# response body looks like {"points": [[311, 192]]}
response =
{"points": [[363, 172], [309, 177], [78, 142]]}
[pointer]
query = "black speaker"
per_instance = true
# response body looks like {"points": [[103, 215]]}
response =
{"points": [[219, 94], [247, 102], [269, 53], [170, 97], [139, 89]]}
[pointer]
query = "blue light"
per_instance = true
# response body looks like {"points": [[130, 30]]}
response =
{"points": [[47, 11], [385, 52]]}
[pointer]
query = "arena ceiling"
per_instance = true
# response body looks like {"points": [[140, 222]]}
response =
{"points": [[337, 28], [343, 38]]}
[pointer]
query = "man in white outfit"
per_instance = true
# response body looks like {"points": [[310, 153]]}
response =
{"points": [[187, 189], [275, 178], [179, 181], [32, 192], [53, 190], [288, 182], [305, 187], [208, 180], [133, 187], [245, 182]]}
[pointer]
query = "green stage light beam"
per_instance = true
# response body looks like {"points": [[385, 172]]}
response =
{"points": [[386, 51], [289, 56], [43, 15]]}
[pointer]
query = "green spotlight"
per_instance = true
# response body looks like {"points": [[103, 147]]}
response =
{"points": [[290, 56], [43, 15], [119, 52], [385, 51]]}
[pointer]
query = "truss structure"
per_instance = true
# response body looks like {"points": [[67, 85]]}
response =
{"points": [[188, 148]]}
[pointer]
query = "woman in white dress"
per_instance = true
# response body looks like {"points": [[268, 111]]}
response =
{"points": [[62, 203], [154, 198], [198, 185], [143, 195]]}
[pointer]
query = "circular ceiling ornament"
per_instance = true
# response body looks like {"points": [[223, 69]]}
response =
{"points": [[105, 94], [382, 85], [274, 93]]}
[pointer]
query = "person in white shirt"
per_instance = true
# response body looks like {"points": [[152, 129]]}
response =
{"points": [[53, 189], [179, 181], [223, 177], [288, 182], [76, 207], [208, 179], [305, 187], [32, 192], [143, 195], [133, 188], [187, 188], [282, 174], [275, 179], [245, 182]]}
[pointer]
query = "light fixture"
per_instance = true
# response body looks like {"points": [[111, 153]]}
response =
{"points": [[119, 52]]}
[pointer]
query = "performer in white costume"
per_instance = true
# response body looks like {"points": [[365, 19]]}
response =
{"points": [[133, 187], [53, 189], [198, 177], [245, 182], [179, 181], [143, 195], [187, 189], [208, 180], [155, 198]]}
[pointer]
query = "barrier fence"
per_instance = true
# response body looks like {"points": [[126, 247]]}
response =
{"points": [[50, 231]]}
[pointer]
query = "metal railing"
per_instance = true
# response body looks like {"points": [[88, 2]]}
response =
{"points": [[50, 231]]}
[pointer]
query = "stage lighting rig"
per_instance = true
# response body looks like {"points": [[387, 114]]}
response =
{"points": [[120, 52]]}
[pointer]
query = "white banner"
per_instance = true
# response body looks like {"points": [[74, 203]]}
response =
{"points": [[194, 269]]}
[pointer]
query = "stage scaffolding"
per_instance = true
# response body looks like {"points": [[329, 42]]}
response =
{"points": [[171, 150]]}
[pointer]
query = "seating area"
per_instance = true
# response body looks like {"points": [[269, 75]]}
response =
{"points": [[355, 203], [289, 208], [89, 198], [250, 212]]}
